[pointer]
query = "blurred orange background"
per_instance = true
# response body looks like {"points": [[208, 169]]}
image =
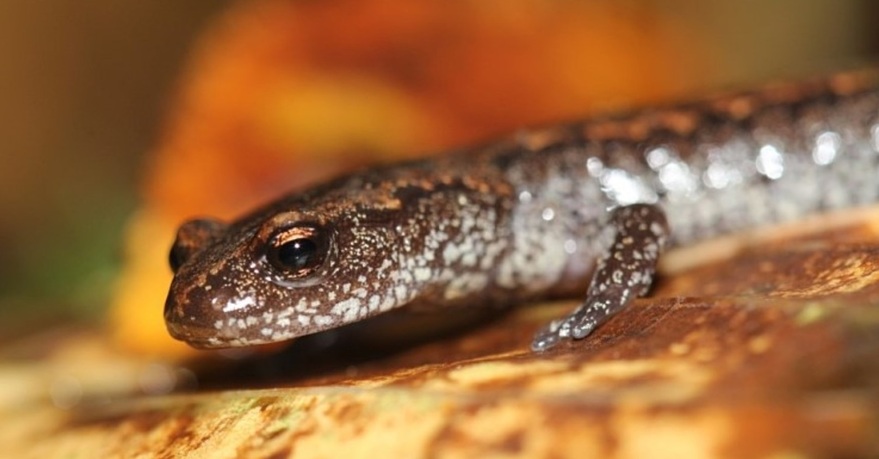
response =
{"points": [[121, 120]]}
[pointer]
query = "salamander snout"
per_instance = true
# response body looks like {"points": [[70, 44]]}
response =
{"points": [[206, 318], [185, 313], [208, 307]]}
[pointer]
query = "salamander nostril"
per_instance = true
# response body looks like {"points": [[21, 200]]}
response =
{"points": [[177, 256], [192, 236]]}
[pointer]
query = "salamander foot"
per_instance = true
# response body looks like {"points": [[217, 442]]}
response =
{"points": [[624, 273]]}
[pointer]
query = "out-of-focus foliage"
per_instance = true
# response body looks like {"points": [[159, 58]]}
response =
{"points": [[81, 85]]}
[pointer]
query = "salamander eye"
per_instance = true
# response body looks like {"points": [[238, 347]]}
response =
{"points": [[298, 251]]}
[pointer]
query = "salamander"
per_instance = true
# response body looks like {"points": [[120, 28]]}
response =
{"points": [[581, 209]]}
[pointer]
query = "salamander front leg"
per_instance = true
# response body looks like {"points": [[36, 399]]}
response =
{"points": [[624, 273]]}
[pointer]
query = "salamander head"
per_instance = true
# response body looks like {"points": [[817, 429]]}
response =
{"points": [[277, 276]]}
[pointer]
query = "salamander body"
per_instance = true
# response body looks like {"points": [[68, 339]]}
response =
{"points": [[579, 210]]}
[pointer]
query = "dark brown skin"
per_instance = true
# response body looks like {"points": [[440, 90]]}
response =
{"points": [[545, 213]]}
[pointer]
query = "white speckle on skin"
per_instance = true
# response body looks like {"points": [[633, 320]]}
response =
{"points": [[239, 303], [657, 157], [626, 188], [770, 162], [374, 301], [403, 276], [387, 304], [400, 292], [676, 178], [323, 321], [874, 134], [826, 147], [347, 309], [594, 166], [422, 274], [451, 253]]}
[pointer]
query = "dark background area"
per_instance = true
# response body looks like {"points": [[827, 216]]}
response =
{"points": [[83, 86]]}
